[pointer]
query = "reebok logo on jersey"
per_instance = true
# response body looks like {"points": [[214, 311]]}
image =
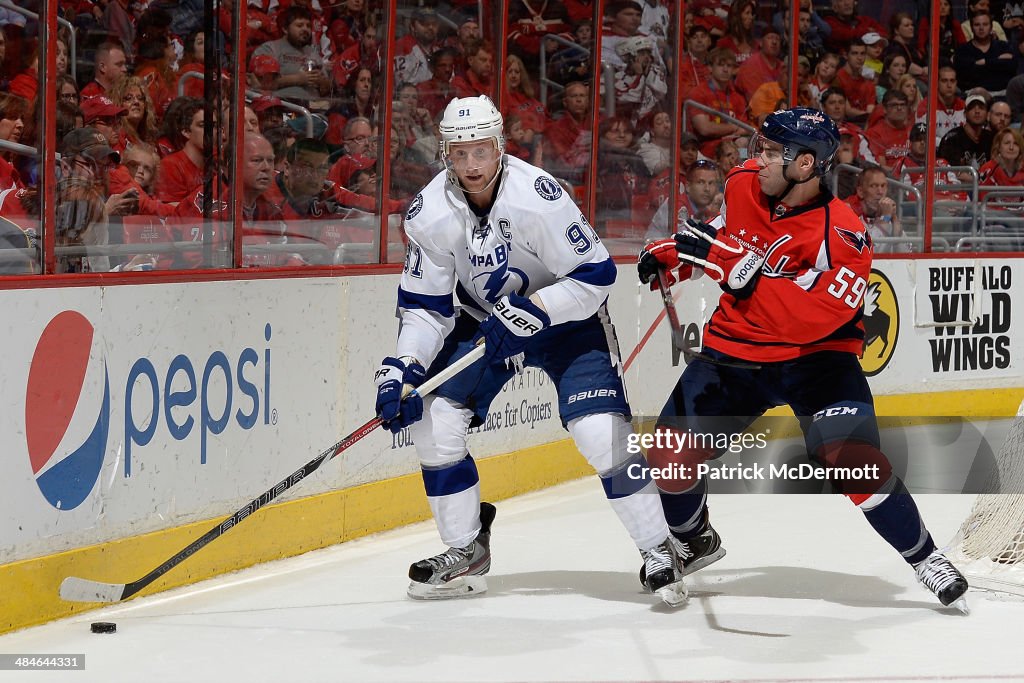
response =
{"points": [[593, 393], [859, 241]]}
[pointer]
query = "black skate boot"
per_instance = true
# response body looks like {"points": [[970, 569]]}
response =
{"points": [[660, 572], [695, 553], [940, 577], [456, 572]]}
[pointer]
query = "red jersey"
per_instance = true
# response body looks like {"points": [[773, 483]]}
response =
{"points": [[860, 92], [178, 176], [727, 100], [888, 143], [813, 281]]}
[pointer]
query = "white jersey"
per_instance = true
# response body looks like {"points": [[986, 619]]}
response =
{"points": [[535, 240]]}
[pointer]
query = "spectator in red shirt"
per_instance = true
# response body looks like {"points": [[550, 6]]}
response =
{"points": [[362, 54], [764, 66], [182, 171], [568, 137], [520, 97], [701, 199], [529, 22], [478, 79], [890, 137], [877, 210], [693, 67], [847, 25], [111, 66], [1006, 167], [719, 94], [25, 84], [156, 54], [860, 91], [139, 123], [739, 33], [437, 91]]}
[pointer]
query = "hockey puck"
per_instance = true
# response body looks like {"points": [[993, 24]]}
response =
{"points": [[103, 627]]}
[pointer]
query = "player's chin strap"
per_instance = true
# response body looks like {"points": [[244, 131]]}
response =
{"points": [[793, 183]]}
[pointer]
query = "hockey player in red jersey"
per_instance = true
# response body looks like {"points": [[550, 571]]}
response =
{"points": [[793, 263]]}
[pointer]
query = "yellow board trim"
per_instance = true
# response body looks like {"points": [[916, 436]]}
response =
{"points": [[30, 586]]}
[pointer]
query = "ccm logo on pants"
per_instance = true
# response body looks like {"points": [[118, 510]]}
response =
{"points": [[593, 393]]}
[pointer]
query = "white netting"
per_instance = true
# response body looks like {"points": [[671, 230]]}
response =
{"points": [[989, 548]]}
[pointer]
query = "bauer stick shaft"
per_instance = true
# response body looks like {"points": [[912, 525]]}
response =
{"points": [[76, 589]]}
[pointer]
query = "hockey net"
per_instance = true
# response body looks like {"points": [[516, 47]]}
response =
{"points": [[989, 547]]}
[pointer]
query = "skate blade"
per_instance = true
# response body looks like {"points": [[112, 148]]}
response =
{"points": [[697, 565], [462, 587], [674, 594], [961, 604]]}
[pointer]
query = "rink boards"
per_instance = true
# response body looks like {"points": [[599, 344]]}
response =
{"points": [[138, 416]]}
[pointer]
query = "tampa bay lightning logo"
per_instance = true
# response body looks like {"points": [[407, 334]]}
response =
{"points": [[547, 188], [495, 284], [857, 240], [415, 207]]}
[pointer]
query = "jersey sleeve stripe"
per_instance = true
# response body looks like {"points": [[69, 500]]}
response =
{"points": [[596, 274], [442, 304]]}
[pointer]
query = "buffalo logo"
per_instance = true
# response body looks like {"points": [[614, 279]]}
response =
{"points": [[857, 240], [547, 188], [415, 207], [881, 324]]}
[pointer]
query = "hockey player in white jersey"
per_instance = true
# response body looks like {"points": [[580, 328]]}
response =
{"points": [[505, 242]]}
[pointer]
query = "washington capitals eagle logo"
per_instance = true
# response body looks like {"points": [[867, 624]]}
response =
{"points": [[857, 240]]}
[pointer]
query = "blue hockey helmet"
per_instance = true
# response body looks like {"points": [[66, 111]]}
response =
{"points": [[800, 130]]}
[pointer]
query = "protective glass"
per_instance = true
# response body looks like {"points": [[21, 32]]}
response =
{"points": [[769, 152]]}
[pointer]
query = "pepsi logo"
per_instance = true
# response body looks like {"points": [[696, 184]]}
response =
{"points": [[67, 411]]}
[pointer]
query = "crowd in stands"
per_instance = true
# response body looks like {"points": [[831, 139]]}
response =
{"points": [[134, 139]]}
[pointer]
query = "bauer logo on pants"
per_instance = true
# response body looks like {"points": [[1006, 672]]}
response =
{"points": [[881, 324]]}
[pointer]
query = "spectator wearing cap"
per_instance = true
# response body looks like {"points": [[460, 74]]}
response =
{"points": [[479, 76], [365, 53], [263, 73], [413, 51], [984, 61], [623, 18], [111, 66], [720, 95], [693, 67], [468, 31], [270, 111], [890, 137], [902, 29], [529, 23], [860, 91], [437, 91], [568, 136], [969, 144], [846, 25], [763, 66], [739, 30], [303, 77], [640, 86], [347, 23], [182, 171], [874, 47], [83, 204], [102, 114], [910, 170]]}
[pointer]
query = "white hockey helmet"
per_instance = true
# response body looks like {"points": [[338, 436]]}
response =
{"points": [[469, 119], [632, 46]]}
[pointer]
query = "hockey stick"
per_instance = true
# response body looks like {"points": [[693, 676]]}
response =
{"points": [[679, 344], [76, 589]]}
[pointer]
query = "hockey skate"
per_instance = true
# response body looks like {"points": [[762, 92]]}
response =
{"points": [[457, 572], [940, 577], [660, 572], [694, 553]]}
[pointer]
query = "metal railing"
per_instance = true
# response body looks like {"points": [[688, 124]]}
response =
{"points": [[72, 43], [691, 104]]}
